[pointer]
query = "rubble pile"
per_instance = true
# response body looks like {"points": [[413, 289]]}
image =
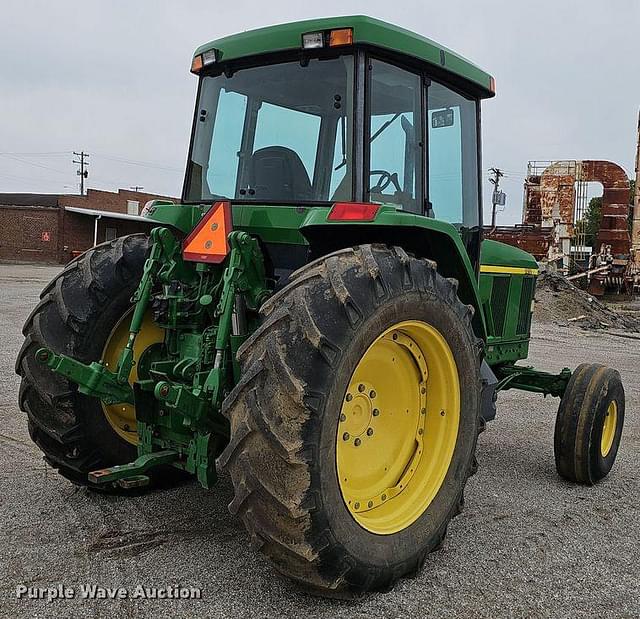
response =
{"points": [[559, 301]]}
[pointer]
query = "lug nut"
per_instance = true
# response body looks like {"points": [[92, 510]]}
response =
{"points": [[369, 431], [372, 394], [357, 442], [376, 412], [370, 504], [423, 390], [356, 505], [345, 436], [361, 387], [384, 497], [395, 336], [343, 417], [349, 397]]}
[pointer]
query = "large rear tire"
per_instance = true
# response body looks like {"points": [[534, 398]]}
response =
{"points": [[354, 424], [76, 315]]}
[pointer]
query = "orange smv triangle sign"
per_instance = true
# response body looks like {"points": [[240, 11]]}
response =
{"points": [[208, 240]]}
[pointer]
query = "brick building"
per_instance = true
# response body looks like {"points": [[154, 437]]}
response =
{"points": [[55, 228]]}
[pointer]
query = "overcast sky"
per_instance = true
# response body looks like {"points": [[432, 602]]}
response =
{"points": [[112, 78]]}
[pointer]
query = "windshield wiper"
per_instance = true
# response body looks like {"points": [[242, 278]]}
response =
{"points": [[379, 131], [343, 137]]}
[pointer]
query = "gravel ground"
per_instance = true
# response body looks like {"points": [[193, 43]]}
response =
{"points": [[526, 545]]}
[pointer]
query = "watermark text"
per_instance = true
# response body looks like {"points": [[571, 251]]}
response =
{"points": [[98, 592]]}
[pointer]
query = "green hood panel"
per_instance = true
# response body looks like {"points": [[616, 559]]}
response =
{"points": [[494, 253]]}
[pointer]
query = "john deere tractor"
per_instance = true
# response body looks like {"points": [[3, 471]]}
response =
{"points": [[319, 316]]}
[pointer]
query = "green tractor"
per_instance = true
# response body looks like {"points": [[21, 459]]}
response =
{"points": [[320, 316]]}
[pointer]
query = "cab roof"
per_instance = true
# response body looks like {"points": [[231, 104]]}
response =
{"points": [[366, 30]]}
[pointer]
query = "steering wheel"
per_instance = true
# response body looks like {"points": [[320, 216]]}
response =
{"points": [[386, 179]]}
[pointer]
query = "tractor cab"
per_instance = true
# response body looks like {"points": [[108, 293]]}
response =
{"points": [[341, 115]]}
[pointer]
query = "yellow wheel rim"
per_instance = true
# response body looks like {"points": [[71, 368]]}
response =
{"points": [[122, 417], [609, 428], [398, 427]]}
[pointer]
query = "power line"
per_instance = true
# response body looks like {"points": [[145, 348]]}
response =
{"points": [[43, 154], [25, 178], [31, 181], [103, 180], [36, 165], [81, 161], [139, 162], [100, 179]]}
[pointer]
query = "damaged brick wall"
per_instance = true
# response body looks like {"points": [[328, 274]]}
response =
{"points": [[550, 200]]}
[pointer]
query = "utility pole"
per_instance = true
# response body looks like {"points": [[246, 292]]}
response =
{"points": [[498, 197], [82, 172]]}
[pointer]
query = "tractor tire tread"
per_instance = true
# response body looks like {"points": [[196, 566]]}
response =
{"points": [[68, 307], [271, 410], [575, 455]]}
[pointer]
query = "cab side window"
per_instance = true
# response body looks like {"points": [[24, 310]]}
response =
{"points": [[453, 156]]}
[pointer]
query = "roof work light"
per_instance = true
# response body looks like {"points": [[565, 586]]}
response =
{"points": [[327, 38], [204, 60]]}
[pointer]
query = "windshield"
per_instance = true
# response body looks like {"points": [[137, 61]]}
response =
{"points": [[275, 133]]}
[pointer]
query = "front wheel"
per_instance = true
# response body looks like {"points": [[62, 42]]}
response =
{"points": [[354, 424], [589, 424]]}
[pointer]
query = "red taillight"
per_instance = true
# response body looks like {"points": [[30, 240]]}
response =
{"points": [[353, 211]]}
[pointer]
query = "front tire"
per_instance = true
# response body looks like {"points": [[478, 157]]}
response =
{"points": [[289, 415], [589, 424]]}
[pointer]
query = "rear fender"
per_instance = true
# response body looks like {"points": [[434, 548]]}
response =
{"points": [[182, 217], [421, 236]]}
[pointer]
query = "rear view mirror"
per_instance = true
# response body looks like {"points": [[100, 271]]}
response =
{"points": [[442, 118]]}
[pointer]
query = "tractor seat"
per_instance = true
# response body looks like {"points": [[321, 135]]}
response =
{"points": [[276, 173]]}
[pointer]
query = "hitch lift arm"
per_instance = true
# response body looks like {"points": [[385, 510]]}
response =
{"points": [[194, 405]]}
